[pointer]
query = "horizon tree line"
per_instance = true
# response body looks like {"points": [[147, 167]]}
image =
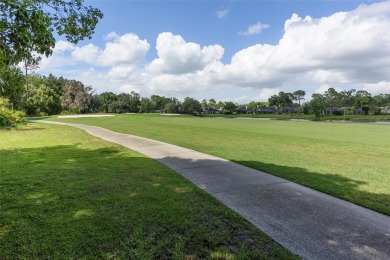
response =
{"points": [[48, 95]]}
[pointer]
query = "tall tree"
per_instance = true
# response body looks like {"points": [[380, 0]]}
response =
{"points": [[11, 85], [43, 101], [27, 27], [281, 100], [299, 95], [191, 106], [76, 98], [146, 105], [230, 106], [105, 99], [317, 105], [212, 103], [332, 98], [362, 100], [347, 99]]}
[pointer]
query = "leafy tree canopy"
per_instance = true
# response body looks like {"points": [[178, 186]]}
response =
{"points": [[27, 26]]}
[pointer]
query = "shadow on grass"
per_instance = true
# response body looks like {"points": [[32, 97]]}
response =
{"points": [[333, 184], [308, 222], [69, 202]]}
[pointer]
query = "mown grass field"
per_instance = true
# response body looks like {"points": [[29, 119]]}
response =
{"points": [[352, 118], [347, 160], [67, 195]]}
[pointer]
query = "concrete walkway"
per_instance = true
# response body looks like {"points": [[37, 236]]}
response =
{"points": [[307, 222]]}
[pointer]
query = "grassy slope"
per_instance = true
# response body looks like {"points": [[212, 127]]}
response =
{"points": [[65, 194], [348, 160]]}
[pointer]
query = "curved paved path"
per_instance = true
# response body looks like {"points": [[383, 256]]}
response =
{"points": [[307, 222]]}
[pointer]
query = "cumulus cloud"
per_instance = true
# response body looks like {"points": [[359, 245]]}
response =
{"points": [[382, 87], [222, 13], [176, 56], [255, 29], [88, 53], [345, 49], [344, 46], [266, 93], [125, 49]]}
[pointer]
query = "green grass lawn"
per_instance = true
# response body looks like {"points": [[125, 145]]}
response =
{"points": [[65, 194], [357, 118], [347, 160]]}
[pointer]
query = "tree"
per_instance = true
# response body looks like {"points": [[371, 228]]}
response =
{"points": [[27, 27], [191, 106], [347, 99], [146, 105], [76, 98], [229, 106], [362, 100], [204, 104], [170, 107], [105, 99], [332, 98], [212, 103], [135, 102], [317, 105], [254, 105], [281, 100], [43, 101], [8, 116], [299, 95], [11, 85]]}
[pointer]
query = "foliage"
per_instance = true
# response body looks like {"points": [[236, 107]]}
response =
{"points": [[332, 99], [229, 106], [11, 84], [28, 26], [171, 107], [281, 100], [9, 117], [362, 100], [212, 103], [146, 105], [43, 100], [191, 106], [317, 105], [76, 98]]}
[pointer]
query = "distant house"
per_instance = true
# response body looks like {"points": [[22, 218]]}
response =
{"points": [[267, 110], [384, 110], [288, 110], [333, 110], [244, 110], [209, 110]]}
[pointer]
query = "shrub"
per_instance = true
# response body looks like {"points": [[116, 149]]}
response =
{"points": [[9, 117]]}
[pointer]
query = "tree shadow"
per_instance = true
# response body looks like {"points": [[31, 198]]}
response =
{"points": [[332, 184], [70, 202], [305, 221]]}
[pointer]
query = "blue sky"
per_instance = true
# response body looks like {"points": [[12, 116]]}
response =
{"points": [[231, 50]]}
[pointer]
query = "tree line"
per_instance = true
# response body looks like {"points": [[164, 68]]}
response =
{"points": [[48, 95]]}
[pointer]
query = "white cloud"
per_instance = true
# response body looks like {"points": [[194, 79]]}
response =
{"points": [[382, 87], [122, 72], [88, 53], [176, 56], [125, 49], [346, 49], [266, 93], [255, 29], [222, 13]]}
